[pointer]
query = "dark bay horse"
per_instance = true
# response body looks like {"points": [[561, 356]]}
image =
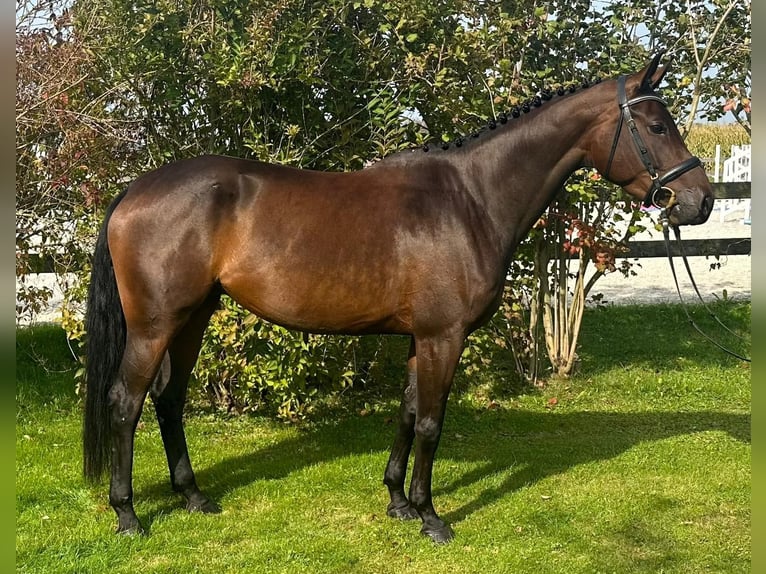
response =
{"points": [[417, 244]]}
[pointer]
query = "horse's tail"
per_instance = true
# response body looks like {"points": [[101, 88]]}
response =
{"points": [[105, 331]]}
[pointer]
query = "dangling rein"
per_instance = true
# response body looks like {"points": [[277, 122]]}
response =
{"points": [[677, 231]]}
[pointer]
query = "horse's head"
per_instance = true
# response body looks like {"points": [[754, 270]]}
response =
{"points": [[640, 149]]}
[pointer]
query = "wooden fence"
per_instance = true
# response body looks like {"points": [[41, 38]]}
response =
{"points": [[700, 247]]}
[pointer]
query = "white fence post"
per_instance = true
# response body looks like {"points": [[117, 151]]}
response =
{"points": [[717, 167], [736, 168]]}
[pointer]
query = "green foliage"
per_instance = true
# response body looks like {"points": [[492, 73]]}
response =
{"points": [[248, 79], [247, 364], [70, 149]]}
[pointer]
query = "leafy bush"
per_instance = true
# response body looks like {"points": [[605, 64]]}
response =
{"points": [[248, 364]]}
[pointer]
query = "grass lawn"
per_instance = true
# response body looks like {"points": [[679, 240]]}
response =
{"points": [[641, 465]]}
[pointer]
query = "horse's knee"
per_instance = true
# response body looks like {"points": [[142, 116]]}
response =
{"points": [[428, 428]]}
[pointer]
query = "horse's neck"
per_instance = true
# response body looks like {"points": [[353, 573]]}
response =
{"points": [[519, 170]]}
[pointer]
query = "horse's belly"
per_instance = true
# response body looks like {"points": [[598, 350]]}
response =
{"points": [[320, 303]]}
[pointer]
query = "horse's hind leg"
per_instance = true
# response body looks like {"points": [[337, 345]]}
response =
{"points": [[169, 395], [396, 470], [140, 363]]}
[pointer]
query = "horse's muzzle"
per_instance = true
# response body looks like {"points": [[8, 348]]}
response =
{"points": [[690, 209]]}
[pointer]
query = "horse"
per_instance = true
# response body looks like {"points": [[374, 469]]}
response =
{"points": [[417, 244]]}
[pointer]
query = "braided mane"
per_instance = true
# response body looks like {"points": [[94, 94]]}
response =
{"points": [[504, 117]]}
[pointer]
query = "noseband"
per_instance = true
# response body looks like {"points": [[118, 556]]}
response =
{"points": [[658, 190]]}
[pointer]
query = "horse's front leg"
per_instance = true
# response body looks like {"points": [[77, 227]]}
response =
{"points": [[437, 359], [396, 470]]}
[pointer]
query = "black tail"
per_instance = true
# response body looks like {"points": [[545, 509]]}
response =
{"points": [[105, 331]]}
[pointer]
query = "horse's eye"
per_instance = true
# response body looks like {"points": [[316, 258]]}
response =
{"points": [[657, 128]]}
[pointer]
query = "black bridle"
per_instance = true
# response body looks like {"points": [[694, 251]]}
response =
{"points": [[658, 191]]}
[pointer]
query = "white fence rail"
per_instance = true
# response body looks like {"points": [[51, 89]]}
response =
{"points": [[736, 168]]}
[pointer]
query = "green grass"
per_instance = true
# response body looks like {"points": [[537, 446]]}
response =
{"points": [[642, 465]]}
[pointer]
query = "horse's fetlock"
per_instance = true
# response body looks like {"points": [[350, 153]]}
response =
{"points": [[120, 500]]}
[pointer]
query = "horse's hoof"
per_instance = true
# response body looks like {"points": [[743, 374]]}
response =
{"points": [[405, 512], [131, 528], [441, 535], [204, 506]]}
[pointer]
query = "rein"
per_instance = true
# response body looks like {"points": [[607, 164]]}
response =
{"points": [[677, 231], [658, 190]]}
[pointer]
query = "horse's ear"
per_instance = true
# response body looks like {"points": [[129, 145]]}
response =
{"points": [[651, 75], [659, 74]]}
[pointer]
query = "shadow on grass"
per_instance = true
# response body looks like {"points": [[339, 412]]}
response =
{"points": [[537, 444]]}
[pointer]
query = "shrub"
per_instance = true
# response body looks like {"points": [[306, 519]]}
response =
{"points": [[248, 364]]}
